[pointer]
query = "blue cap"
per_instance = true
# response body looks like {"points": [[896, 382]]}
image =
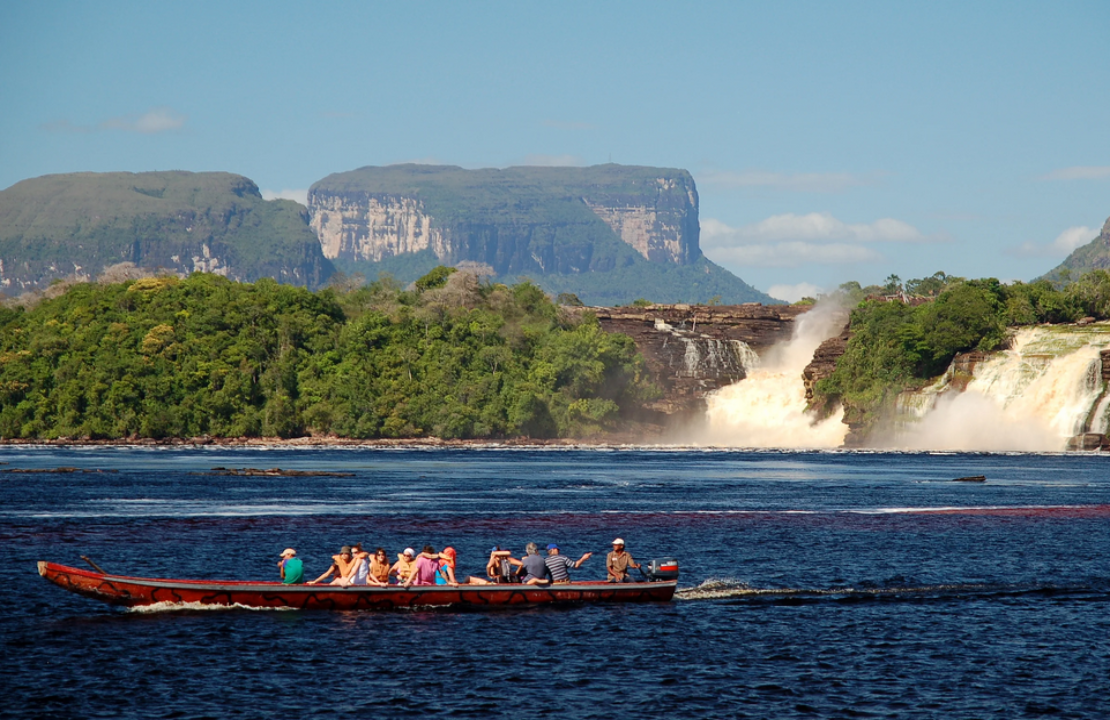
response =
{"points": [[552, 546], [494, 549]]}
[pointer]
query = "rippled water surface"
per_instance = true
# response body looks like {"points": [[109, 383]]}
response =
{"points": [[813, 584]]}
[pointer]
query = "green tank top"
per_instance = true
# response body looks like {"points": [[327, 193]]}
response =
{"points": [[294, 571]]}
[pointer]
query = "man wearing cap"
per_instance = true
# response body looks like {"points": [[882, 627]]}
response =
{"points": [[560, 565], [618, 562], [291, 567]]}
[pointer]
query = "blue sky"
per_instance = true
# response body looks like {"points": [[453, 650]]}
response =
{"points": [[830, 141]]}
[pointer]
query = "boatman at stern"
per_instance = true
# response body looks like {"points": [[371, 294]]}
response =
{"points": [[560, 565], [618, 562]]}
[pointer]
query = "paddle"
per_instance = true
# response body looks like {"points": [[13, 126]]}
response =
{"points": [[95, 566]]}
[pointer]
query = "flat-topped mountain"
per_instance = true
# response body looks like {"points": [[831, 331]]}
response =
{"points": [[77, 224], [609, 233]]}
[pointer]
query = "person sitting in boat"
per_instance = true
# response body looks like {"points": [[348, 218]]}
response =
{"points": [[617, 563], [499, 569], [291, 567], [359, 572], [427, 567], [446, 573], [560, 565], [340, 566], [405, 566], [379, 568], [533, 569]]}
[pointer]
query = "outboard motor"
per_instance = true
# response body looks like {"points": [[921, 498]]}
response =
{"points": [[660, 569]]}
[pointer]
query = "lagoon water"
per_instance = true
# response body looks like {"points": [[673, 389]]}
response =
{"points": [[814, 585]]}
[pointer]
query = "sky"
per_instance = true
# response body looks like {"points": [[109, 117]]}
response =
{"points": [[830, 141]]}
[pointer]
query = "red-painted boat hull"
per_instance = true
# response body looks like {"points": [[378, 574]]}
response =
{"points": [[139, 592]]}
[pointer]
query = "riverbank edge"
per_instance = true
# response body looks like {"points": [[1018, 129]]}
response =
{"points": [[647, 437]]}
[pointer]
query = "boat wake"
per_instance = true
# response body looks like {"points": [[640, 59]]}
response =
{"points": [[730, 589], [161, 607]]}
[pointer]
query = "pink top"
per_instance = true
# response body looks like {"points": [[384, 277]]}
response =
{"points": [[426, 569]]}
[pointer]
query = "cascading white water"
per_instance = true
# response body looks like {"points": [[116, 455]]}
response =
{"points": [[1034, 396], [768, 408]]}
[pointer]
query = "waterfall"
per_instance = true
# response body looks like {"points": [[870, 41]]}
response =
{"points": [[768, 407], [709, 357], [1034, 396]]}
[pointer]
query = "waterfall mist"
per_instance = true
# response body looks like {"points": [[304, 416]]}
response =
{"points": [[768, 408]]}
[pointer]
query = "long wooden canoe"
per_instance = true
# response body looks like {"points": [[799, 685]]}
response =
{"points": [[139, 592]]}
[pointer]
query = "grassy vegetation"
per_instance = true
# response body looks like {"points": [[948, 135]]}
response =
{"points": [[454, 358]]}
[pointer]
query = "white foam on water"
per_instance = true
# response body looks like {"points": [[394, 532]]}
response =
{"points": [[165, 606]]}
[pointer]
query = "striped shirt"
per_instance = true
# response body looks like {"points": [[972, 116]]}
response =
{"points": [[559, 565]]}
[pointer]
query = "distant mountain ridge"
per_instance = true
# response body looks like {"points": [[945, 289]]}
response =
{"points": [[608, 233], [77, 224], [1095, 255]]}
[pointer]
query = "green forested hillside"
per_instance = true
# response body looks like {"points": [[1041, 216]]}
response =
{"points": [[164, 357], [1095, 255], [77, 224]]}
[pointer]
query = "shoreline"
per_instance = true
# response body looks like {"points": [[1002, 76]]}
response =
{"points": [[332, 441]]}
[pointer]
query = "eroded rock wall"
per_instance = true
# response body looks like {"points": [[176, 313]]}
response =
{"points": [[692, 350], [375, 227]]}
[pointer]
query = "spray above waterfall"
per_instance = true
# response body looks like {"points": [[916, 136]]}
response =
{"points": [[768, 408]]}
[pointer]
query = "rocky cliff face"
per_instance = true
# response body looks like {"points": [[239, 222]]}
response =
{"points": [[663, 228], [375, 228], [692, 350], [518, 220], [822, 366], [76, 225]]}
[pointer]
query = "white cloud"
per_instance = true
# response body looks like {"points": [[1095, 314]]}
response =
{"points": [[814, 239], [796, 182], [1073, 237], [792, 254], [813, 227], [153, 121], [1079, 172], [1064, 243], [793, 293], [553, 160], [300, 196]]}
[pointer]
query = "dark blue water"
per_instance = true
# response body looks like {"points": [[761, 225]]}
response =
{"points": [[815, 585]]}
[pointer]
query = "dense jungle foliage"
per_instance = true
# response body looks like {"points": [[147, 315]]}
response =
{"points": [[453, 358], [904, 336]]}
